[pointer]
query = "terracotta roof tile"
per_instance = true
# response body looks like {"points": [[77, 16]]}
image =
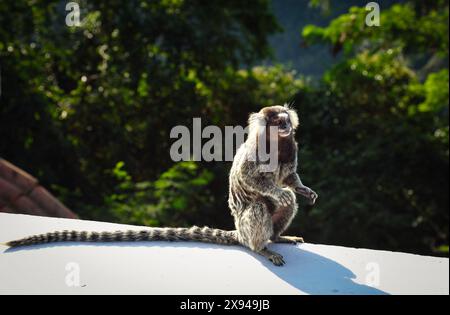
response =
{"points": [[21, 193]]}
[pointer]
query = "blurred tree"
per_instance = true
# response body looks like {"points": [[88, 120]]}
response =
{"points": [[382, 134], [196, 193], [89, 110], [111, 90]]}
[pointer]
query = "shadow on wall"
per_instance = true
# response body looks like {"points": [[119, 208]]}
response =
{"points": [[316, 274], [309, 272]]}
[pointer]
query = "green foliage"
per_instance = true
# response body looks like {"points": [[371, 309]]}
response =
{"points": [[179, 197], [442, 249], [436, 92], [89, 111], [381, 131], [183, 187], [113, 88], [403, 25]]}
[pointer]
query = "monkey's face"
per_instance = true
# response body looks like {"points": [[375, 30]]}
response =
{"points": [[278, 116], [282, 117]]}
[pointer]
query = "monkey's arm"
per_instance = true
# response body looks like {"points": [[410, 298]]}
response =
{"points": [[264, 184], [293, 181]]}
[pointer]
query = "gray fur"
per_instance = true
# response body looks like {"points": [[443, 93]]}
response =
{"points": [[194, 233], [263, 204]]}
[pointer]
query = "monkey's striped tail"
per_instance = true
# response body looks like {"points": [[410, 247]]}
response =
{"points": [[195, 233]]}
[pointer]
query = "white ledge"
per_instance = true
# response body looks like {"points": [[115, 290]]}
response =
{"points": [[195, 268]]}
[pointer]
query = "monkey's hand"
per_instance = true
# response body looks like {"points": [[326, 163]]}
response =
{"points": [[308, 193], [285, 197]]}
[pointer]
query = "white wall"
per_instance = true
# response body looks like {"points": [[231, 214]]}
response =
{"points": [[194, 268]]}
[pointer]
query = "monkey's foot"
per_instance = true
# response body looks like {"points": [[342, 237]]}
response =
{"points": [[289, 240], [274, 257]]}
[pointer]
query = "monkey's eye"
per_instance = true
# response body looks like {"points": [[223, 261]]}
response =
{"points": [[276, 120]]}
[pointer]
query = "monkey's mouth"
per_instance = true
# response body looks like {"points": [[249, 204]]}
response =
{"points": [[284, 132]]}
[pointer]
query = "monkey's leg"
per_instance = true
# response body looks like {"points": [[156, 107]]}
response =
{"points": [[255, 228], [282, 218]]}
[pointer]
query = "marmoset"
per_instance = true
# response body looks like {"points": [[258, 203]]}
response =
{"points": [[263, 203]]}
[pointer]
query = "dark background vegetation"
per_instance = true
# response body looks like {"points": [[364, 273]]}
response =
{"points": [[88, 110]]}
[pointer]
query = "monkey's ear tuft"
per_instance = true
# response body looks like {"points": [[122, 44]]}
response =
{"points": [[292, 115], [256, 121]]}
